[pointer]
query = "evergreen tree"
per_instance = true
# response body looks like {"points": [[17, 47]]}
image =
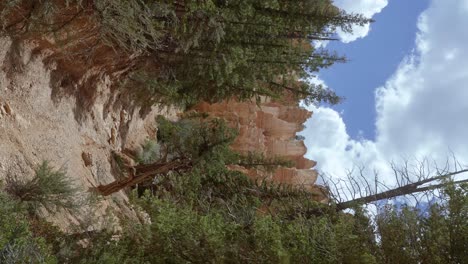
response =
{"points": [[438, 234], [247, 49], [210, 50]]}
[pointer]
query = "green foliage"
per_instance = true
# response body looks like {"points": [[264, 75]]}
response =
{"points": [[220, 218], [260, 161], [23, 18], [149, 153], [201, 139], [160, 88], [438, 236], [17, 243], [243, 49], [132, 25], [49, 188], [179, 234], [211, 214], [209, 50], [197, 139], [399, 231]]}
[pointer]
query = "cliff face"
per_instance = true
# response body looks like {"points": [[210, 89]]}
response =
{"points": [[37, 122], [269, 128]]}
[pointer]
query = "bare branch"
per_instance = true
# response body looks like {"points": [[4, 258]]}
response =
{"points": [[408, 189]]}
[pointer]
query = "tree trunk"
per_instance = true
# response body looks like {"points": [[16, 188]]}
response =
{"points": [[403, 190], [142, 173]]}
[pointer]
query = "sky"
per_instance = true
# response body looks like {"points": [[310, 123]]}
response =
{"points": [[372, 60], [406, 90]]}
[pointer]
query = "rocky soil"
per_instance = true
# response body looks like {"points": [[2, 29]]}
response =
{"points": [[38, 125]]}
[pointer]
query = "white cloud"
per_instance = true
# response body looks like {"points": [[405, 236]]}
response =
{"points": [[368, 8], [335, 152], [421, 110]]}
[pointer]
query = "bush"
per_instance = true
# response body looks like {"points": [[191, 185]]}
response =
{"points": [[49, 188], [17, 243], [150, 152], [438, 234]]}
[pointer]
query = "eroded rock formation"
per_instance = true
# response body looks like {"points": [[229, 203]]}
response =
{"points": [[269, 128]]}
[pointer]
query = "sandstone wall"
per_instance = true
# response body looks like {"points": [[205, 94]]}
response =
{"points": [[36, 125], [269, 128]]}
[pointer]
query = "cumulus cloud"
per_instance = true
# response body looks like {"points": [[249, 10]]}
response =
{"points": [[421, 110], [368, 8], [333, 149]]}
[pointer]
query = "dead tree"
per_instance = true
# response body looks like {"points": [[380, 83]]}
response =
{"points": [[359, 189], [404, 190]]}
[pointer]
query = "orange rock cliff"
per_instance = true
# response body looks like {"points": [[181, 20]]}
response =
{"points": [[269, 128]]}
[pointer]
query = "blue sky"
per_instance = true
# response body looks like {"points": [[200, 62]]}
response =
{"points": [[406, 88], [373, 60]]}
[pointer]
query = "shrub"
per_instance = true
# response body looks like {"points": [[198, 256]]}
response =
{"points": [[150, 152], [49, 188], [17, 243]]}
